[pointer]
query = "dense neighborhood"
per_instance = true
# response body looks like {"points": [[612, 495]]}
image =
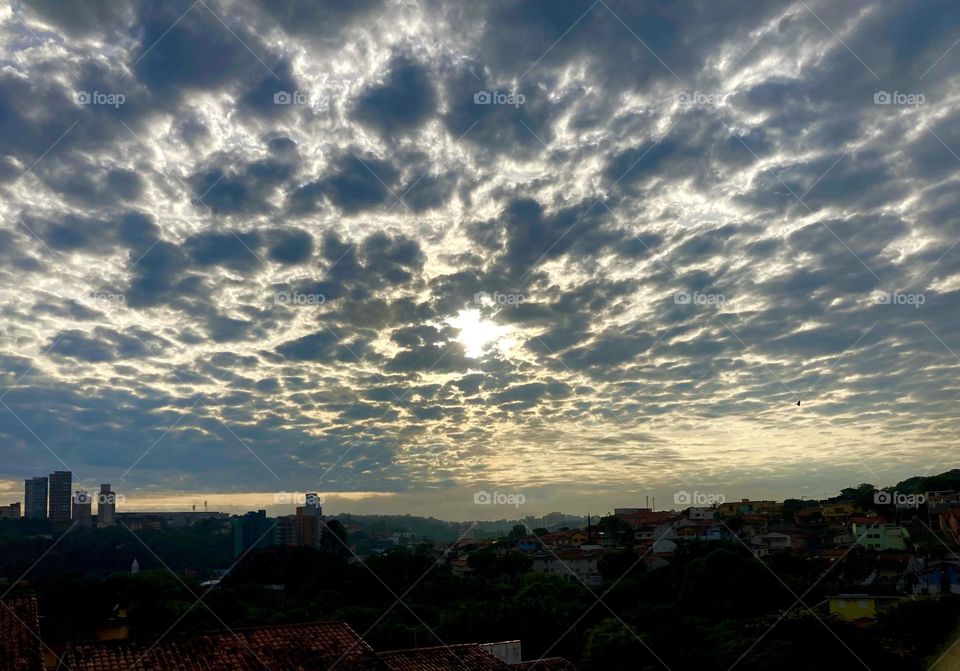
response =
{"points": [[875, 568]]}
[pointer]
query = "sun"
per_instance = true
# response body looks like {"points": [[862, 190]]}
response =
{"points": [[479, 335]]}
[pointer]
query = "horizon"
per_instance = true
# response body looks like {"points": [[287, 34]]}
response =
{"points": [[569, 254], [379, 503]]}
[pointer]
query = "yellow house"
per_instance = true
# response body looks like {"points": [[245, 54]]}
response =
{"points": [[861, 601], [853, 606]]}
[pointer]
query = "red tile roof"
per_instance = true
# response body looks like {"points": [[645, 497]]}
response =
{"points": [[299, 647], [20, 635], [465, 657]]}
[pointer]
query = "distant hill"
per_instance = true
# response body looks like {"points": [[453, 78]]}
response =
{"points": [[919, 484], [429, 527]]}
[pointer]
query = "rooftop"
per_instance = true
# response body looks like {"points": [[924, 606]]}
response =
{"points": [[19, 635]]}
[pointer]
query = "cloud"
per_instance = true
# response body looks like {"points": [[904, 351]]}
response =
{"points": [[666, 225]]}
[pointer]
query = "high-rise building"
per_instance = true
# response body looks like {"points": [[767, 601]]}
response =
{"points": [[106, 506], [285, 533], [82, 509], [61, 484], [10, 512], [310, 521], [252, 530], [35, 498]]}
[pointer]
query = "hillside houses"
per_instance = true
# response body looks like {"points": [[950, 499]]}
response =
{"points": [[876, 547]]}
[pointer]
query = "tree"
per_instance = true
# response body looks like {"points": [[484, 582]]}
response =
{"points": [[612, 647], [517, 532], [334, 538], [617, 529], [622, 564]]}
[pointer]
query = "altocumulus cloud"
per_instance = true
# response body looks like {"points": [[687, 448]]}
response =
{"points": [[421, 246]]}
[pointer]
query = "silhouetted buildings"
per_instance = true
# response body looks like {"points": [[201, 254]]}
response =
{"points": [[303, 528], [106, 506], [10, 512], [253, 530], [35, 498], [82, 509], [61, 488], [51, 498]]}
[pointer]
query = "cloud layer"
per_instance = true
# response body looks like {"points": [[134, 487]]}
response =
{"points": [[572, 249]]}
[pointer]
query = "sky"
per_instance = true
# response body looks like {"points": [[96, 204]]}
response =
{"points": [[414, 255]]}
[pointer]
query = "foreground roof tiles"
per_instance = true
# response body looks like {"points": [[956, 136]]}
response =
{"points": [[298, 647], [466, 657], [303, 647], [20, 635]]}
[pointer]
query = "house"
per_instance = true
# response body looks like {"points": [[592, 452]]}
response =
{"points": [[20, 647], [637, 517], [461, 568], [860, 602], [565, 539], [940, 501], [831, 513], [888, 536], [698, 514], [941, 577], [574, 565], [319, 646], [950, 521], [764, 544], [529, 544], [748, 507], [460, 656]]}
